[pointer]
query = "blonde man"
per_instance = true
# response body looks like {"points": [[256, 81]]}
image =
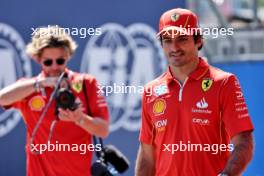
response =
{"points": [[69, 151]]}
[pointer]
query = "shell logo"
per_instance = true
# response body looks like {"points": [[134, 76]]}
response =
{"points": [[159, 106], [37, 103]]}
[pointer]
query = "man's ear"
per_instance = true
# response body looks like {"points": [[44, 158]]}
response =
{"points": [[68, 57], [199, 42]]}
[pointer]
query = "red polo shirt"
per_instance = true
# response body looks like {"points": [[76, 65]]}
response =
{"points": [[76, 158], [190, 125]]}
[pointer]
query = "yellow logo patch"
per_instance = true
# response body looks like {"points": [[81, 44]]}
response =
{"points": [[37, 103], [159, 107], [77, 86], [206, 84]]}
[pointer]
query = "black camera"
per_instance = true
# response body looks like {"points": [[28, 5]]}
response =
{"points": [[100, 168], [65, 98], [110, 155]]}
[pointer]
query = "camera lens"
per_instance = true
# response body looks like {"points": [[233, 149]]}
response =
{"points": [[65, 99]]}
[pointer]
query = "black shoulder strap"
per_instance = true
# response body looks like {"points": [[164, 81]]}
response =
{"points": [[98, 154]]}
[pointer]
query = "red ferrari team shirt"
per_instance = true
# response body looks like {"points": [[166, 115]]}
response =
{"points": [[71, 152], [190, 125]]}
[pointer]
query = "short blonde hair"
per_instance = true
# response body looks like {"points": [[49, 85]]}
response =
{"points": [[50, 37]]}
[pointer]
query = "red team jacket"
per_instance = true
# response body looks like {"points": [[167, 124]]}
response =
{"points": [[64, 162], [190, 125]]}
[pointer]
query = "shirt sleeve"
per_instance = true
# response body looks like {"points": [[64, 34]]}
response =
{"points": [[234, 109], [147, 130], [17, 105], [97, 102]]}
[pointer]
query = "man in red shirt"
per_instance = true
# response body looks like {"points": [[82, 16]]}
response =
{"points": [[61, 145], [192, 112]]}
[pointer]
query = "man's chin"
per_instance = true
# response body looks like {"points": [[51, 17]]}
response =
{"points": [[55, 74], [177, 62]]}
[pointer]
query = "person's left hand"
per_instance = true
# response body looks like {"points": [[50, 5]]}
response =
{"points": [[71, 116]]}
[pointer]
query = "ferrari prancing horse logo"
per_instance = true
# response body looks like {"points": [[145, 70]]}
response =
{"points": [[206, 84], [77, 86]]}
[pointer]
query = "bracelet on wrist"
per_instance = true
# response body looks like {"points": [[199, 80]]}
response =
{"points": [[36, 85]]}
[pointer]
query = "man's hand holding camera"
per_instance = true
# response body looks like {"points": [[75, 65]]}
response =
{"points": [[77, 116], [93, 125]]}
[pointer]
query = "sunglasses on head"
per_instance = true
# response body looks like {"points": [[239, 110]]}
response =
{"points": [[49, 62]]}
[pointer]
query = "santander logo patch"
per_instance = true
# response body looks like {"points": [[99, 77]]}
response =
{"points": [[202, 104]]}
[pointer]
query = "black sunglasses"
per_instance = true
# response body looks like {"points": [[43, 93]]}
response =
{"points": [[59, 61]]}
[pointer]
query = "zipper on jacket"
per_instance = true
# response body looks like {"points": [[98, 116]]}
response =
{"points": [[181, 88]]}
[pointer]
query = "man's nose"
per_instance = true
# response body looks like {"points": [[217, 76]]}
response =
{"points": [[175, 45], [54, 65]]}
